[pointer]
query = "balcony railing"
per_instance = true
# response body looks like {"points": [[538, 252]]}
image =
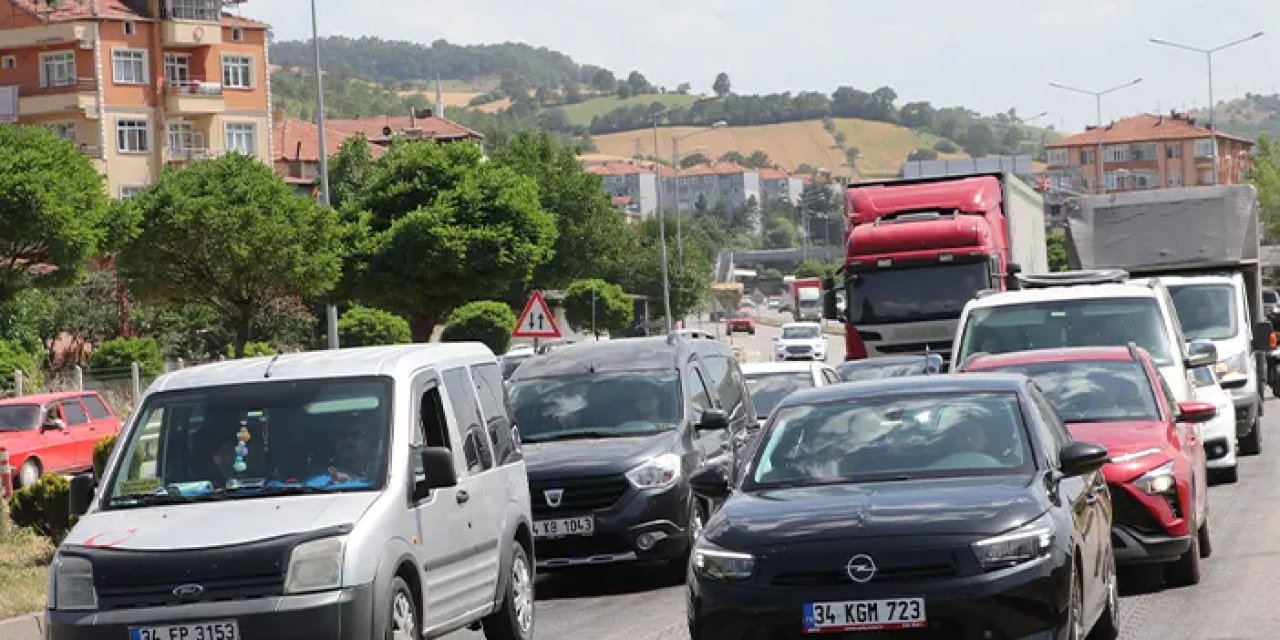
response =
{"points": [[190, 154], [81, 85], [195, 87]]}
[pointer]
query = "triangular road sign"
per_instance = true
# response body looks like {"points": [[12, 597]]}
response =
{"points": [[536, 320]]}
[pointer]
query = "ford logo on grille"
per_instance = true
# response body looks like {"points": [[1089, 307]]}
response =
{"points": [[188, 591]]}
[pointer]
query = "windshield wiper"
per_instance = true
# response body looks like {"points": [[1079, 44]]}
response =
{"points": [[153, 499], [800, 484], [581, 435]]}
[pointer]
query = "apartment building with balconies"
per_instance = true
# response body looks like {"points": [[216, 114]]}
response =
{"points": [[1147, 151], [138, 85]]}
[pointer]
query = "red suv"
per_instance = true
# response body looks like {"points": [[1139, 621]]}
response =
{"points": [[1157, 476], [54, 432]]}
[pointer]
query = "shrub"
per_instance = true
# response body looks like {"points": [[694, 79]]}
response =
{"points": [[121, 353], [366, 327], [44, 506], [946, 146], [102, 452], [258, 349], [613, 309], [484, 321], [14, 357]]}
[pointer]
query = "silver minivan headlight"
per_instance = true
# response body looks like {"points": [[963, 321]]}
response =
{"points": [[315, 566], [71, 584]]}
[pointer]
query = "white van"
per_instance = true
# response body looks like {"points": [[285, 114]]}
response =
{"points": [[359, 493]]}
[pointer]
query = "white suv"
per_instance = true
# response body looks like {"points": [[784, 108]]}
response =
{"points": [[1078, 315], [356, 493]]}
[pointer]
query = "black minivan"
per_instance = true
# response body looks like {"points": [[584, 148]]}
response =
{"points": [[612, 431]]}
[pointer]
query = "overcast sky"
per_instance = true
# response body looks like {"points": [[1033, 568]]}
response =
{"points": [[988, 55]]}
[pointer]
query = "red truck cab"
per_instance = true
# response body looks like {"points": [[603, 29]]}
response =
{"points": [[54, 432], [917, 250]]}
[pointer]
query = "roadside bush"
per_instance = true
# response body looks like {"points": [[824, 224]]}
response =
{"points": [[368, 327], [14, 357], [44, 506], [484, 321], [945, 146], [121, 353], [102, 452], [613, 309], [258, 349]]}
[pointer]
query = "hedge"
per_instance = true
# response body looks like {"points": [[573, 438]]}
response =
{"points": [[121, 353], [483, 321], [368, 327]]}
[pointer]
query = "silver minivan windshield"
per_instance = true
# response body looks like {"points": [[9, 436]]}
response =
{"points": [[256, 440], [1052, 324]]}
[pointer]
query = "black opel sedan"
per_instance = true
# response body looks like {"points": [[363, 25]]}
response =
{"points": [[923, 507]]}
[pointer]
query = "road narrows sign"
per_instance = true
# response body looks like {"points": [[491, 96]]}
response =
{"points": [[536, 320]]}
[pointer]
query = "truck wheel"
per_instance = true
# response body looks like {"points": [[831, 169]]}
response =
{"points": [[514, 618], [1251, 444]]}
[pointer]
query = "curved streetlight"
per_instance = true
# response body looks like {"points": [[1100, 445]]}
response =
{"points": [[1213, 107], [1097, 161]]}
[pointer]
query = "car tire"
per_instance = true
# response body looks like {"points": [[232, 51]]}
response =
{"points": [[1204, 539], [402, 615], [513, 620], [1228, 475], [1108, 625], [1185, 571], [1251, 445], [30, 473]]}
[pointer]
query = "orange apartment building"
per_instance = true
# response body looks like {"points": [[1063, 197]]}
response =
{"points": [[1147, 151], [138, 85]]}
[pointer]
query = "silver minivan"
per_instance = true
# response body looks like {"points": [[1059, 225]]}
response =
{"points": [[359, 493]]}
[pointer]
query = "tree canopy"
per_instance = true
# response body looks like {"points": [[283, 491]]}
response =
{"points": [[597, 306]]}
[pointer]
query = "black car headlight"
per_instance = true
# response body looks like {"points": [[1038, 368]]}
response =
{"points": [[717, 563], [1024, 544]]}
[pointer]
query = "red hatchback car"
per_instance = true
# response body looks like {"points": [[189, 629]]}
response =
{"points": [[1114, 396], [740, 321], [54, 432]]}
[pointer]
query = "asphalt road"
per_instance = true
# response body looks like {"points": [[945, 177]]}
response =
{"points": [[1235, 600]]}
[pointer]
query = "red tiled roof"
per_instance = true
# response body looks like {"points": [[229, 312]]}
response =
{"points": [[1145, 127], [616, 169], [715, 168], [621, 201], [772, 173], [71, 10], [433, 127], [288, 132]]}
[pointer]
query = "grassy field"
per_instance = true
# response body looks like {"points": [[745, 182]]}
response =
{"points": [[883, 147], [583, 112], [24, 561]]}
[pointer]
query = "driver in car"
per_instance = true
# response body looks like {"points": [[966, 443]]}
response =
{"points": [[353, 452]]}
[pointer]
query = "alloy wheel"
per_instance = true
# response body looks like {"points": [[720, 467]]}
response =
{"points": [[522, 591], [404, 623]]}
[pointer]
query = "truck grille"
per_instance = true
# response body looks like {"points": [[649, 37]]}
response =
{"points": [[579, 494]]}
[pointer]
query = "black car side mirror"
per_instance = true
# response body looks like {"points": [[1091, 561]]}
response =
{"points": [[81, 494], [711, 483], [713, 420], [437, 470], [1079, 458]]}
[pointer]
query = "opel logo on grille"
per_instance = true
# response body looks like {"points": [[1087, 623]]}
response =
{"points": [[188, 591], [553, 497], [861, 568]]}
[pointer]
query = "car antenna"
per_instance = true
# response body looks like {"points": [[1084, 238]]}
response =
{"points": [[267, 373]]}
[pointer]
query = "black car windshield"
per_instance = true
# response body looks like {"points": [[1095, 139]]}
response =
{"points": [[1206, 311], [915, 294], [1052, 324], [1097, 391], [892, 438], [19, 417], [871, 370], [801, 333], [254, 440], [768, 389], [597, 405]]}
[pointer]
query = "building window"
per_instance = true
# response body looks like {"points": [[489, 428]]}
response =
{"points": [[1206, 177], [237, 35], [1174, 150], [1117, 153], [129, 66], [1204, 148], [177, 69], [241, 138], [1112, 180], [129, 191], [64, 130], [11, 62], [1175, 179], [1087, 156], [203, 10], [183, 138], [57, 69], [130, 28], [237, 72], [1058, 157], [132, 136]]}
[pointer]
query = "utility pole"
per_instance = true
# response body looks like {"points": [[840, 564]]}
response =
{"points": [[1097, 95], [331, 310], [662, 225]]}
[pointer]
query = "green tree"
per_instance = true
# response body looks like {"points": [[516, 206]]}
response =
{"points": [[349, 171], [642, 270], [851, 156], [840, 138], [52, 207], [758, 160], [367, 327], [228, 233], [722, 86], [604, 80], [979, 141], [15, 356], [1265, 177], [121, 353], [693, 160], [486, 321], [591, 233], [779, 230], [446, 227], [639, 84], [596, 305], [818, 197], [1056, 244], [624, 91], [805, 167], [812, 269]]}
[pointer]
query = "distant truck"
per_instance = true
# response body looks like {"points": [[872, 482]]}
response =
{"points": [[917, 250], [806, 299], [1203, 244]]}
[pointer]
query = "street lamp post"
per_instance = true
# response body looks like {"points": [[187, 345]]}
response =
{"points": [[1097, 95], [331, 311], [675, 166], [1213, 106], [662, 225]]}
